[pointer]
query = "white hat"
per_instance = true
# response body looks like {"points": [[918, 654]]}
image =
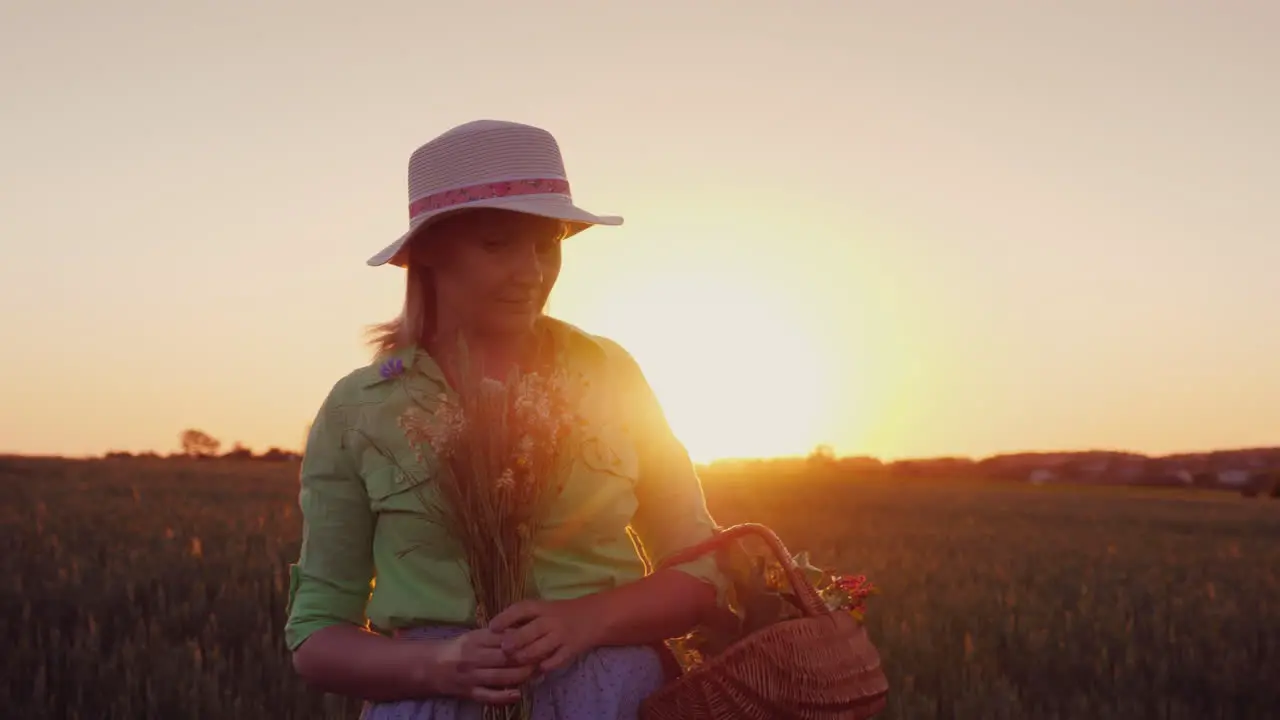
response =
{"points": [[488, 164]]}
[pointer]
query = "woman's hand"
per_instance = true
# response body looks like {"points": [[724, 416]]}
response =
{"points": [[546, 634], [475, 667]]}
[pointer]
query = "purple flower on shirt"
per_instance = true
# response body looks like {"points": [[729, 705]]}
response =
{"points": [[392, 368]]}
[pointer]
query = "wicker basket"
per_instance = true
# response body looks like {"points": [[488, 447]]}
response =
{"points": [[818, 667]]}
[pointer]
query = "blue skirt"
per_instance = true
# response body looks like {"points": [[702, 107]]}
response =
{"points": [[606, 684]]}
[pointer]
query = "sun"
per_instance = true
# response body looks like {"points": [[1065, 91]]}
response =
{"points": [[736, 377]]}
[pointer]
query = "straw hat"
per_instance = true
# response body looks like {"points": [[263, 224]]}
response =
{"points": [[488, 164]]}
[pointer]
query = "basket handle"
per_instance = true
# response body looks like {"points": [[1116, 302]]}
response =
{"points": [[811, 603]]}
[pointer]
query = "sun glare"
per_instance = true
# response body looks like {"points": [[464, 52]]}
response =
{"points": [[735, 377]]}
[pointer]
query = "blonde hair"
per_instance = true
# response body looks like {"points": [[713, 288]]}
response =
{"points": [[416, 322]]}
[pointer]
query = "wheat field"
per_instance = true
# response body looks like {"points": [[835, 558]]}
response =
{"points": [[156, 588]]}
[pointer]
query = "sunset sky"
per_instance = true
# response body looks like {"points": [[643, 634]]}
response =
{"points": [[903, 229]]}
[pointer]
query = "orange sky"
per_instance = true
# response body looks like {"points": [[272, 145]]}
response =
{"points": [[902, 230]]}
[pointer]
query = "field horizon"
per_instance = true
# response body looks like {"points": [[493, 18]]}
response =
{"points": [[157, 589]]}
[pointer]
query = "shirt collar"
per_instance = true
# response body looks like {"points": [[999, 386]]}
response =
{"points": [[571, 344], [411, 360]]}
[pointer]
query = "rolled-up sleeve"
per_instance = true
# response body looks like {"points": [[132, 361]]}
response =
{"points": [[332, 579], [672, 512]]}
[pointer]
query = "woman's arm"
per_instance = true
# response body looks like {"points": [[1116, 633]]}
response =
{"points": [[665, 604], [550, 634], [352, 661], [329, 585], [671, 515], [329, 588]]}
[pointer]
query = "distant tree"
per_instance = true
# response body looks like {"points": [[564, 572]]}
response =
{"points": [[823, 455], [861, 464], [197, 443], [277, 455], [239, 452]]}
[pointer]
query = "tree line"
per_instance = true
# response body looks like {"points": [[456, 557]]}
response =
{"points": [[197, 444]]}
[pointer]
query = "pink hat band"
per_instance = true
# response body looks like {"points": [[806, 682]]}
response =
{"points": [[487, 191]]}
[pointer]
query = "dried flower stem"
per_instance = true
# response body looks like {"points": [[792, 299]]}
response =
{"points": [[501, 461]]}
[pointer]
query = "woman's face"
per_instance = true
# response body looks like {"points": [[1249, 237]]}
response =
{"points": [[493, 269]]}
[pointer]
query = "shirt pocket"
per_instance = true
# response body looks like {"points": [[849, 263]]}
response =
{"points": [[395, 475], [386, 481], [599, 497], [407, 506], [610, 450]]}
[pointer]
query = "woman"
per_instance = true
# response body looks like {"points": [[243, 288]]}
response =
{"points": [[489, 207]]}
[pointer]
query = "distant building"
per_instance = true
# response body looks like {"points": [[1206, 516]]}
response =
{"points": [[1234, 478], [1041, 476]]}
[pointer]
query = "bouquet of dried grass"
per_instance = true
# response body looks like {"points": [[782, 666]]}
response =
{"points": [[500, 451]]}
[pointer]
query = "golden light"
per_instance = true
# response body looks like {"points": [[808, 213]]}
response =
{"points": [[735, 375]]}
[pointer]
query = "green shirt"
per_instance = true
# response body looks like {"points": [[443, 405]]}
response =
{"points": [[364, 517]]}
